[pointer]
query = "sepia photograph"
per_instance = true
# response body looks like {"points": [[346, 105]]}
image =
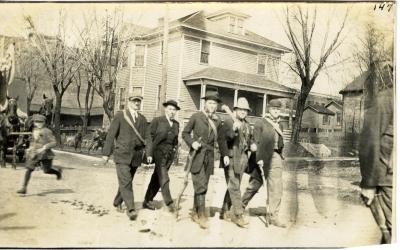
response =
{"points": [[197, 124]]}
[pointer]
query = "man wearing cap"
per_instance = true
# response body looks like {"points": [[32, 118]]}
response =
{"points": [[40, 152], [202, 134], [269, 139], [161, 147], [237, 132], [128, 130]]}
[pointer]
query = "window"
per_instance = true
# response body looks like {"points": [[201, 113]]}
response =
{"points": [[240, 26], [139, 55], [158, 97], [261, 64], [232, 24], [325, 120], [161, 52], [121, 98], [137, 91], [338, 118], [205, 51]]}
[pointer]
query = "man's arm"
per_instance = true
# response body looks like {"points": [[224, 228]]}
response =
{"points": [[186, 133], [224, 133], [151, 131], [257, 132], [113, 133], [51, 140]]}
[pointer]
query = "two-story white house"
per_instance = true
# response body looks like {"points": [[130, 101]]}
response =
{"points": [[204, 51]]}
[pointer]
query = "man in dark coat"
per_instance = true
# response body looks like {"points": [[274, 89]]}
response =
{"points": [[40, 152], [206, 125], [269, 139], [237, 134], [376, 160], [128, 130], [161, 146]]}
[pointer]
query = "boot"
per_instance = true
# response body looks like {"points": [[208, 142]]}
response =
{"points": [[132, 214], [240, 221], [276, 222], [59, 175], [201, 208], [171, 208], [148, 205], [22, 190]]}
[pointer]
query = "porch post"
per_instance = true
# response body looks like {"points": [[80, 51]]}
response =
{"points": [[202, 93], [235, 97], [265, 100]]}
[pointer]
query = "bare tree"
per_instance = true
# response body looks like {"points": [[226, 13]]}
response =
{"points": [[104, 43], [88, 98], [60, 61], [30, 70], [300, 25]]}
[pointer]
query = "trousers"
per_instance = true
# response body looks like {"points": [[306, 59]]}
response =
{"points": [[273, 178], [232, 197], [125, 174]]}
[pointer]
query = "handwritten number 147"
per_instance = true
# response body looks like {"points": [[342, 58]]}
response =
{"points": [[382, 6]]}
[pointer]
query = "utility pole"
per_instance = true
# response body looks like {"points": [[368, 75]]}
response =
{"points": [[163, 88]]}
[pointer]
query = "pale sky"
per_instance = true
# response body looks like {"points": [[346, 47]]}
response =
{"points": [[265, 20]]}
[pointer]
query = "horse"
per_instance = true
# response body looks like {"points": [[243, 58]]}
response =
{"points": [[47, 109]]}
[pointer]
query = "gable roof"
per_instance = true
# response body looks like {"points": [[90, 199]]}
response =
{"points": [[357, 85], [319, 109], [339, 104], [198, 21], [232, 76]]}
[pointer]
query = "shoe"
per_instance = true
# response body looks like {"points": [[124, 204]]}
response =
{"points": [[277, 223], [148, 205], [222, 214], [22, 191], [225, 215], [59, 176], [203, 222], [132, 214], [171, 208], [239, 220]]}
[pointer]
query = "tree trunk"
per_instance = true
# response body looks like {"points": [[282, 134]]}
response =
{"points": [[57, 117], [301, 102], [85, 122], [28, 106]]}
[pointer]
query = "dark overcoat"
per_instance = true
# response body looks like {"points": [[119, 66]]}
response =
{"points": [[376, 142], [264, 137], [160, 132], [237, 146], [128, 147], [197, 127]]}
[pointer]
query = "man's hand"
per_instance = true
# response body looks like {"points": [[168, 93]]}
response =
{"points": [[105, 159], [236, 125], [196, 145], [226, 160], [253, 147], [368, 195], [149, 160], [260, 163]]}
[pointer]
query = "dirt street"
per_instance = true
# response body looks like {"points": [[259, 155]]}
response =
{"points": [[321, 210]]}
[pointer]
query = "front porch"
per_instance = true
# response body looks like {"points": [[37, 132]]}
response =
{"points": [[231, 85]]}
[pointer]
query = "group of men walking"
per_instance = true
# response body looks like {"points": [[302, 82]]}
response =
{"points": [[241, 148]]}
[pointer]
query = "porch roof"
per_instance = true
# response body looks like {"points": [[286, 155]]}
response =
{"points": [[319, 109], [238, 78]]}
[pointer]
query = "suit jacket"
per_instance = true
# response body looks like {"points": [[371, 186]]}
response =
{"points": [[128, 147], [198, 124], [237, 147], [264, 137], [376, 142], [159, 132]]}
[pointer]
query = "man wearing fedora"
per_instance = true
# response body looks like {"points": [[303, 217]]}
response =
{"points": [[161, 147], [237, 132], [40, 152], [269, 140], [206, 125], [128, 130]]}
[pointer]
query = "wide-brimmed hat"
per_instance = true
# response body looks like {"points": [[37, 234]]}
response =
{"points": [[275, 103], [212, 94], [172, 103], [135, 97], [38, 118], [242, 103]]}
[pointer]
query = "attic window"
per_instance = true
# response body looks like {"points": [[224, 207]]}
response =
{"points": [[236, 25], [261, 64], [232, 24]]}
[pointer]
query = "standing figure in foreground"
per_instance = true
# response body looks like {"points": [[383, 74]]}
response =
{"points": [[162, 146], [237, 133], [128, 130], [207, 125], [376, 161], [40, 152], [269, 139]]}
